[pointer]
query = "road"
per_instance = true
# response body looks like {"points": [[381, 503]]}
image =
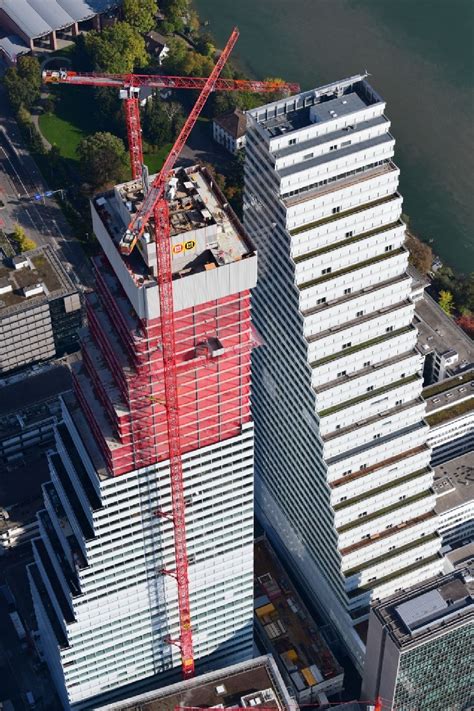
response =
{"points": [[43, 220]]}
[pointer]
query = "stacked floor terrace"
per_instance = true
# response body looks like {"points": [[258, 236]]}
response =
{"points": [[110, 471], [342, 461]]}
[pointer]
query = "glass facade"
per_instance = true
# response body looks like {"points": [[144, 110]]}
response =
{"points": [[437, 676]]}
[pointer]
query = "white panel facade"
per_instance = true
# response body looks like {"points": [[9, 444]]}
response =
{"points": [[342, 458]]}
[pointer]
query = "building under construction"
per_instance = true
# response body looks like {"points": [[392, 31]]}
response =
{"points": [[105, 581]]}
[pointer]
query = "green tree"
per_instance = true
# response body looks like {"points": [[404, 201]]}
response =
{"points": [[140, 14], [175, 11], [19, 235], [102, 158], [23, 82], [117, 49], [157, 126], [446, 301]]}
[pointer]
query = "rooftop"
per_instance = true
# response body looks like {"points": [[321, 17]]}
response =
{"points": [[21, 496], [36, 18], [205, 232], [440, 604], [44, 268], [28, 395], [233, 123], [454, 483], [287, 628], [320, 105], [438, 332], [449, 392], [255, 684]]}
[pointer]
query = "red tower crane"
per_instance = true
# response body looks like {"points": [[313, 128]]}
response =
{"points": [[155, 205], [130, 85]]}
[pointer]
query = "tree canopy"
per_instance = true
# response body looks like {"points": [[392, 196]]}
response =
{"points": [[140, 14], [103, 158], [23, 82], [24, 243], [162, 121], [174, 11], [117, 49], [446, 301], [421, 255]]}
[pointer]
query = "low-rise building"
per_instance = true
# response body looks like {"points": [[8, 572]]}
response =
{"points": [[454, 488], [447, 349], [229, 130], [255, 684], [156, 46], [450, 414], [32, 25], [286, 630], [40, 310], [419, 646]]}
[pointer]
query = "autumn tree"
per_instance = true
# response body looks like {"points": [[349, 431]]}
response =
{"points": [[446, 302], [102, 158], [140, 14], [23, 82], [117, 49], [466, 322], [24, 243], [421, 255]]}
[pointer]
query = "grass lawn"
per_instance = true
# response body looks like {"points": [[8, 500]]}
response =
{"points": [[73, 119]]}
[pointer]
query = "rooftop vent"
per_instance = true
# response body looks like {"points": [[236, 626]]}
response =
{"points": [[220, 689], [33, 290]]}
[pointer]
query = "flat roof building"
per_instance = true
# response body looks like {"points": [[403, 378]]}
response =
{"points": [[454, 489], [40, 310], [287, 630], [419, 647], [256, 684]]}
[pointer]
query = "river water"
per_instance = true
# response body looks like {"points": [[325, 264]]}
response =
{"points": [[420, 55]]}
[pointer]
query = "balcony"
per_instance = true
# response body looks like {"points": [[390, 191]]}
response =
{"points": [[387, 578], [387, 532], [387, 509], [346, 325], [374, 419], [362, 346], [352, 268], [392, 554], [369, 395], [346, 213], [380, 489], [380, 465], [450, 413], [346, 242]]}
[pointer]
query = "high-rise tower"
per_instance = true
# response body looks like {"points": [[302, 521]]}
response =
{"points": [[342, 464], [103, 581]]}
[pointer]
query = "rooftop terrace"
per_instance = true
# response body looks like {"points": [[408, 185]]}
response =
{"points": [[454, 483], [320, 105], [288, 630]]}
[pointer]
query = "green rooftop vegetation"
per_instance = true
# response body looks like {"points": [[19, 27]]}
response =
{"points": [[368, 395], [387, 509], [381, 559], [361, 346], [346, 213], [374, 492], [352, 268], [448, 384], [450, 413], [346, 242], [387, 578]]}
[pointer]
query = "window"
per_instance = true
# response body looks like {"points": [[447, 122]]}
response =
{"points": [[359, 313], [376, 436], [308, 156], [328, 270], [388, 329], [333, 148], [343, 498], [349, 471], [343, 372], [388, 248], [347, 291], [338, 427], [403, 496], [370, 387], [349, 234], [402, 375], [322, 300], [344, 144], [346, 345], [363, 466], [292, 141], [367, 363], [361, 515], [335, 210], [398, 402]]}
